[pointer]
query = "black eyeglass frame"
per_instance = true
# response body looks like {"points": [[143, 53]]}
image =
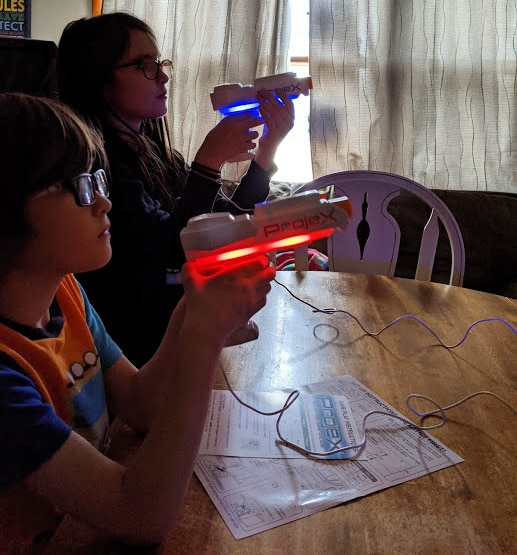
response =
{"points": [[160, 64], [85, 187]]}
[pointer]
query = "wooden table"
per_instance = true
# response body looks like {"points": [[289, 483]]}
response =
{"points": [[466, 508]]}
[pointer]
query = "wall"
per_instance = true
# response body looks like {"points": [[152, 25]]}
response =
{"points": [[49, 17]]}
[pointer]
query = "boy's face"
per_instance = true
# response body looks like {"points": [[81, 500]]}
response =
{"points": [[66, 238], [132, 96]]}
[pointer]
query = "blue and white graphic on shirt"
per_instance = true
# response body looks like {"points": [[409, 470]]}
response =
{"points": [[87, 400]]}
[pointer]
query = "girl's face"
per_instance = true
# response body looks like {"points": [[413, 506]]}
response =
{"points": [[66, 238], [131, 95]]}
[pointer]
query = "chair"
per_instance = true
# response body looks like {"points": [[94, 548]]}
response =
{"points": [[28, 66], [370, 244]]}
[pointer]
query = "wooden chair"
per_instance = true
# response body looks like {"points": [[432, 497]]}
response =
{"points": [[370, 244]]}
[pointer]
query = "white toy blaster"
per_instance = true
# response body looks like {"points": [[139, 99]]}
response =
{"points": [[234, 98], [275, 225]]}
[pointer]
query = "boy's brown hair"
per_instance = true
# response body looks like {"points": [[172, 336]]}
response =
{"points": [[42, 142]]}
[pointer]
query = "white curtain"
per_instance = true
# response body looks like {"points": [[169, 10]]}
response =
{"points": [[211, 43], [422, 88]]}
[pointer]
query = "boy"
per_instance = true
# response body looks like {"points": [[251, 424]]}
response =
{"points": [[59, 370]]}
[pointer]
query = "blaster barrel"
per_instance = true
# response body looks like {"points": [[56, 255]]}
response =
{"points": [[275, 225], [234, 98]]}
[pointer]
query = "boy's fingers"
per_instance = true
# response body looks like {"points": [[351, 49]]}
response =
{"points": [[247, 266]]}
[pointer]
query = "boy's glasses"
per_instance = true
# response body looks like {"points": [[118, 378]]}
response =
{"points": [[85, 187], [151, 68]]}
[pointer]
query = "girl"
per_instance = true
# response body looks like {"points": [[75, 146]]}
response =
{"points": [[60, 372], [109, 71]]}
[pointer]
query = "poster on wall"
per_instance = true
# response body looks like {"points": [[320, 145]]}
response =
{"points": [[15, 18]]}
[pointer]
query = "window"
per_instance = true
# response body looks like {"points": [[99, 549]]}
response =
{"points": [[294, 154]]}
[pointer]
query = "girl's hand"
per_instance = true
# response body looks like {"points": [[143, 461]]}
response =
{"points": [[232, 137], [277, 111]]}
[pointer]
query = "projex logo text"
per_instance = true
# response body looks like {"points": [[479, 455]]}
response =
{"points": [[288, 88], [314, 221]]}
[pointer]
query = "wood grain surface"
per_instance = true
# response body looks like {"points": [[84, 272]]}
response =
{"points": [[466, 508]]}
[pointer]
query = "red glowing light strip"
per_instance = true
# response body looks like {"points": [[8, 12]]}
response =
{"points": [[266, 246]]}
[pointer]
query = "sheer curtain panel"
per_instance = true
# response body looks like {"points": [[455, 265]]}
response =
{"points": [[422, 88]]}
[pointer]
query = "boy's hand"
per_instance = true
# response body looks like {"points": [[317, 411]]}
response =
{"points": [[223, 298]]}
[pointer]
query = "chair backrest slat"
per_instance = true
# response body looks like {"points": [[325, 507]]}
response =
{"points": [[424, 267]]}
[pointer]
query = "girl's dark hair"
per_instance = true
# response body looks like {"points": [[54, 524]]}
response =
{"points": [[88, 52], [42, 142]]}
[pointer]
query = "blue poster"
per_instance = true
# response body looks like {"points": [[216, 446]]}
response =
{"points": [[15, 18]]}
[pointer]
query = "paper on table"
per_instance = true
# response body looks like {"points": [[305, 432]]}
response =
{"points": [[317, 423], [254, 495]]}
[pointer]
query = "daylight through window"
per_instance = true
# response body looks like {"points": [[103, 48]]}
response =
{"points": [[294, 155]]}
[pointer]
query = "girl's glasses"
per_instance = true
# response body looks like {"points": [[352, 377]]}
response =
{"points": [[85, 187], [151, 68]]}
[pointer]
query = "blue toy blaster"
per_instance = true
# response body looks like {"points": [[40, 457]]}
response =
{"points": [[234, 98]]}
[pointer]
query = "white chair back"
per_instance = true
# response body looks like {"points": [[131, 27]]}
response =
{"points": [[370, 244]]}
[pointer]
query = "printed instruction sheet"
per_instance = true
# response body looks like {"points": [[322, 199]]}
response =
{"points": [[255, 494], [314, 422]]}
